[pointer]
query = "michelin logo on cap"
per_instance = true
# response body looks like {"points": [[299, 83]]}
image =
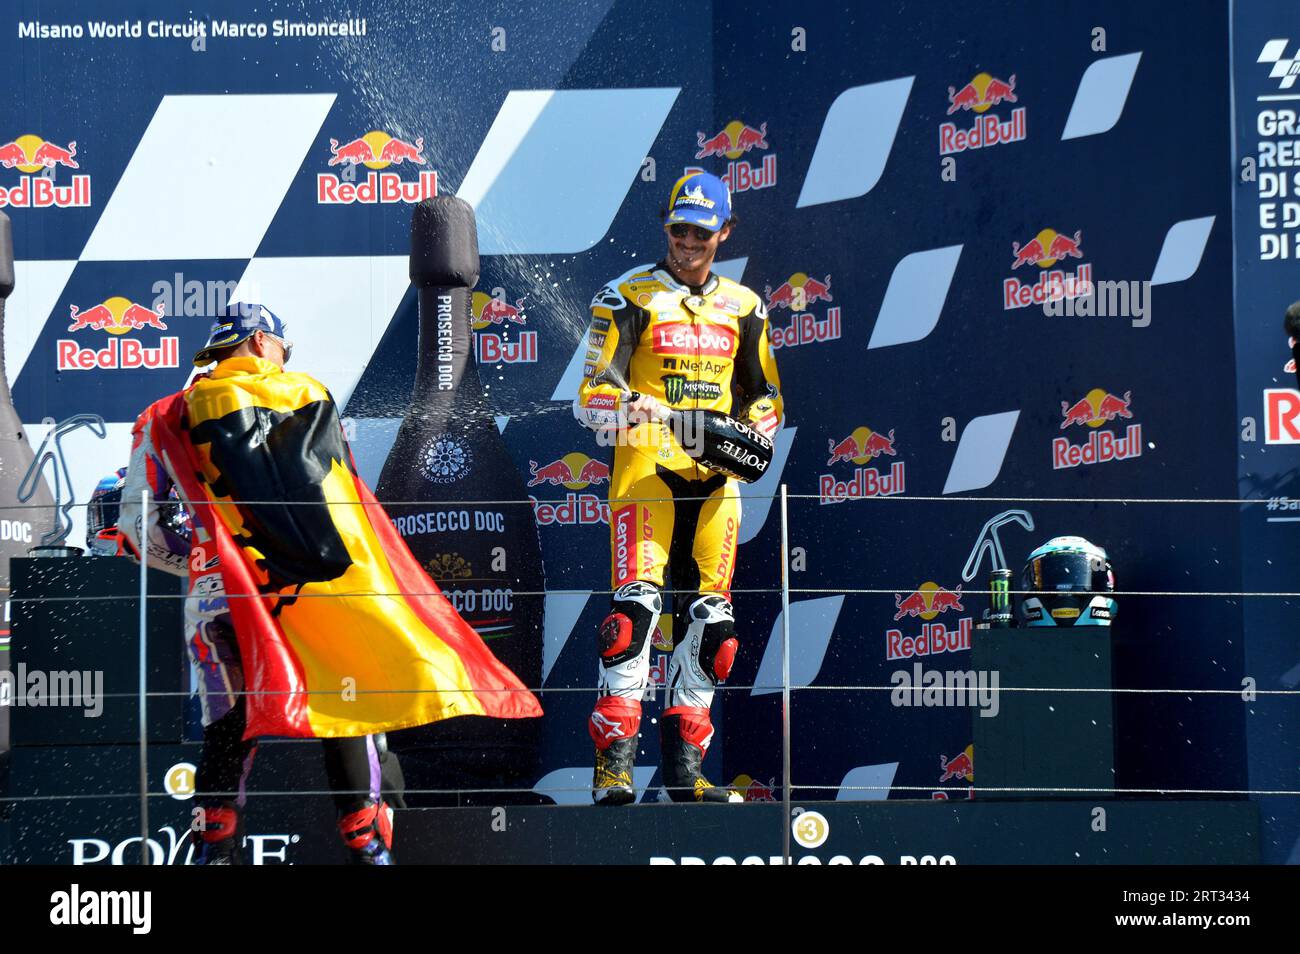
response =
{"points": [[695, 197]]}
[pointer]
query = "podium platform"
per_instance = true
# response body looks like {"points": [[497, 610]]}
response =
{"points": [[284, 829]]}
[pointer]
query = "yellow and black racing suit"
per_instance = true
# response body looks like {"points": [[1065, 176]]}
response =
{"points": [[704, 347]]}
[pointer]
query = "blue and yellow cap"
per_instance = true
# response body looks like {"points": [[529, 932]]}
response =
{"points": [[700, 199], [235, 322]]}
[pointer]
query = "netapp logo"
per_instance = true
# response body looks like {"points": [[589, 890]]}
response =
{"points": [[75, 907]]}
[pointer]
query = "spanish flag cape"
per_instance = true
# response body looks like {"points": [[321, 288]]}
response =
{"points": [[340, 630]]}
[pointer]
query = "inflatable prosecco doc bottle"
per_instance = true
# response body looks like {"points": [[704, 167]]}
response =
{"points": [[485, 557], [23, 528]]}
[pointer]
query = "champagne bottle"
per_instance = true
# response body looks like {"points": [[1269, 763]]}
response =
{"points": [[719, 442]]}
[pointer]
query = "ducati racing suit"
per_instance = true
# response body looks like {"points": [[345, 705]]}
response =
{"points": [[707, 348]]}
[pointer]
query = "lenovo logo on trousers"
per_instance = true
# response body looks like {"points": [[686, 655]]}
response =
{"points": [[625, 543], [683, 339]]}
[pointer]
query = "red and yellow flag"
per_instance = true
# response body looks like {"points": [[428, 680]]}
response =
{"points": [[341, 631]]}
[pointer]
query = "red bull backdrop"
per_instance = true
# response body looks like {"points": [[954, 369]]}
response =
{"points": [[997, 261]]}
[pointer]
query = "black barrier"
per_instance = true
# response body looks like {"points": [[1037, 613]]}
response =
{"points": [[79, 805], [76, 628], [298, 829]]}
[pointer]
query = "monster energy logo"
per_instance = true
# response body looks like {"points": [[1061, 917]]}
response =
{"points": [[1001, 588], [1000, 598], [677, 388]]}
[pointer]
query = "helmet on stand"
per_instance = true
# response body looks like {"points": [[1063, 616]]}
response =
{"points": [[1066, 582], [101, 514]]}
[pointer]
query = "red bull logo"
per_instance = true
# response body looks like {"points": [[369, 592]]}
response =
{"points": [[983, 92], [573, 510], [39, 189], [1101, 447], [1051, 286], [960, 767], [798, 292], [865, 482], [752, 790], [1094, 409], [806, 328], [732, 142], [116, 320], [1281, 416], [574, 471], [488, 310], [980, 93], [1046, 249], [862, 447], [493, 349], [494, 313], [933, 639], [117, 316], [926, 603], [376, 151]]}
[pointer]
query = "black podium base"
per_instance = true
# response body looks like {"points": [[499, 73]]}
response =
{"points": [[76, 623], [902, 832], [299, 829], [1058, 730]]}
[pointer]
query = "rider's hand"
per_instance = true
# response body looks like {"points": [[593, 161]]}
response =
{"points": [[644, 408]]}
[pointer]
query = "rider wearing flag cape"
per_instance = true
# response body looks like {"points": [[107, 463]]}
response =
{"points": [[307, 616]]}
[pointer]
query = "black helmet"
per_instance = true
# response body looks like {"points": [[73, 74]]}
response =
{"points": [[1064, 580], [101, 514]]}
